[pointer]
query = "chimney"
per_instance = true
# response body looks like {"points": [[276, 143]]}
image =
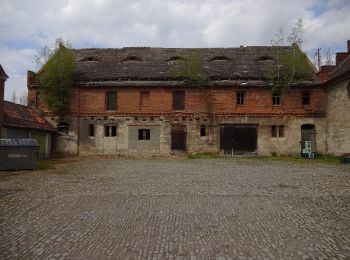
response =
{"points": [[340, 56], [325, 72]]}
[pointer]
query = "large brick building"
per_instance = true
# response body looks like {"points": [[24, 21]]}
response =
{"points": [[3, 78], [128, 101]]}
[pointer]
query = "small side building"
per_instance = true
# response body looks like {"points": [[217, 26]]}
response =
{"points": [[23, 122], [338, 105]]}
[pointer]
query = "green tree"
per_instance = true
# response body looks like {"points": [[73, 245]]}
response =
{"points": [[190, 70], [55, 77], [291, 64]]}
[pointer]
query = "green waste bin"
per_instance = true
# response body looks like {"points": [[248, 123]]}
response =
{"points": [[18, 154]]}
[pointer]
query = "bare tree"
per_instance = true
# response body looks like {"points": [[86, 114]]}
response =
{"points": [[325, 57], [329, 56], [14, 97], [290, 64], [23, 99]]}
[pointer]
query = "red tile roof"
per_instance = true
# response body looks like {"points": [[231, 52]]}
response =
{"points": [[20, 116]]}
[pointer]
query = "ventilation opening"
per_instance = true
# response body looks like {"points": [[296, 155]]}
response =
{"points": [[132, 58], [220, 58], [175, 58], [265, 59], [87, 59]]}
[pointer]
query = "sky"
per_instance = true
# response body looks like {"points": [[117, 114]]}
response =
{"points": [[27, 26]]}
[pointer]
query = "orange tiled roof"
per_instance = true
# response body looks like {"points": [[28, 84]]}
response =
{"points": [[20, 116]]}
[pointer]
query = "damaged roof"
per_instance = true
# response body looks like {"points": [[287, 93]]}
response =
{"points": [[20, 116], [145, 63]]}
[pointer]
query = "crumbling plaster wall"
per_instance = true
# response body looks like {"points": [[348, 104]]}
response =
{"points": [[126, 141], [338, 118]]}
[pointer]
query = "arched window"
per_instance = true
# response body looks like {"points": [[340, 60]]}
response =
{"points": [[63, 128]]}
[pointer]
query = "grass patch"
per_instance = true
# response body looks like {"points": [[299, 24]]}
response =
{"points": [[49, 164], [319, 158], [203, 155]]}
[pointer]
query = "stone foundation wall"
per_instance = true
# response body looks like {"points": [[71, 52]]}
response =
{"points": [[126, 141]]}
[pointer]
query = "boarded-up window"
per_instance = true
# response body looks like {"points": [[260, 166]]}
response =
{"points": [[110, 130], [306, 99], [144, 134], [91, 130], [179, 100], [240, 98], [144, 99], [111, 100]]}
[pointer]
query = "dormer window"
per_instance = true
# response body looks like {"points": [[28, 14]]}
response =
{"points": [[88, 59], [132, 58], [221, 58], [265, 59], [175, 58]]}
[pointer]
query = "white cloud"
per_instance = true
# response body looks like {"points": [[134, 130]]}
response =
{"points": [[28, 25], [16, 63]]}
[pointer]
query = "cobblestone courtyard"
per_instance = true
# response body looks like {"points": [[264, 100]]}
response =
{"points": [[114, 208]]}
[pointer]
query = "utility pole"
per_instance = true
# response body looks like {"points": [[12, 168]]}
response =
{"points": [[318, 58]]}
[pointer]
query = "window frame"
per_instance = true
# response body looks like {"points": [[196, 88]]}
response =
{"points": [[240, 98], [203, 131], [91, 130], [276, 96], [277, 131], [274, 131], [144, 134], [177, 106], [308, 94], [108, 99], [110, 130]]}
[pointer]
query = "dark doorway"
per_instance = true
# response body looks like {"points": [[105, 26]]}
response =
{"points": [[308, 133], [178, 138], [238, 139]]}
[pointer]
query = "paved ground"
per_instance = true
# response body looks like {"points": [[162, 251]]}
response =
{"points": [[114, 208]]}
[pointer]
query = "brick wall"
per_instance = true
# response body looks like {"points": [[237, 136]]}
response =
{"points": [[2, 83], [257, 101]]}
